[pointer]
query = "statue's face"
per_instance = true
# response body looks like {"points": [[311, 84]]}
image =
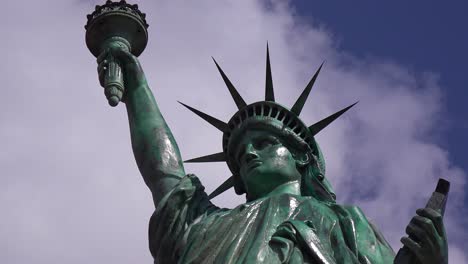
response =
{"points": [[265, 163]]}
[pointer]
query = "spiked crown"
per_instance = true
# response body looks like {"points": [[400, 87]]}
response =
{"points": [[262, 110]]}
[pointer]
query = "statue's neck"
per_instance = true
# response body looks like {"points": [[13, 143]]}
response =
{"points": [[292, 187]]}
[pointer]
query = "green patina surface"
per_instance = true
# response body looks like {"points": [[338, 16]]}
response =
{"points": [[281, 228], [290, 215]]}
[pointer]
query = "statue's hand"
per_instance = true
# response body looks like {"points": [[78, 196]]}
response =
{"points": [[134, 76], [427, 239]]}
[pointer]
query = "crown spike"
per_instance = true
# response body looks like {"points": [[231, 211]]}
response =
{"points": [[299, 104], [317, 127], [209, 158], [226, 185], [213, 121], [235, 95], [269, 93]]}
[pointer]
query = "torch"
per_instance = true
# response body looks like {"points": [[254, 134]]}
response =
{"points": [[116, 24]]}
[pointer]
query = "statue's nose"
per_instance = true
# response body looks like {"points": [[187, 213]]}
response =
{"points": [[250, 154]]}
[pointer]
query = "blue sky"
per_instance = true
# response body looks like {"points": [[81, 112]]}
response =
{"points": [[70, 190], [423, 35]]}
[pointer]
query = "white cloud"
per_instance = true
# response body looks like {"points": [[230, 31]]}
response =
{"points": [[71, 191]]}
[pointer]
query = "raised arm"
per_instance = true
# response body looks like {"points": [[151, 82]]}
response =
{"points": [[155, 150]]}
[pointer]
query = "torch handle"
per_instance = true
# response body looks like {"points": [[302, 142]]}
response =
{"points": [[113, 78], [113, 82]]}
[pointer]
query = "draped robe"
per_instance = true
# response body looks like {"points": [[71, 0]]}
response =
{"points": [[187, 228]]}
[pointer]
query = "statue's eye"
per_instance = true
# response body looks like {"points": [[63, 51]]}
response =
{"points": [[266, 142]]}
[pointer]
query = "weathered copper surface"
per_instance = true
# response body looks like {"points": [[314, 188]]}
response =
{"points": [[115, 24], [290, 216]]}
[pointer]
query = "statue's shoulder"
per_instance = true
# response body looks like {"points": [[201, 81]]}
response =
{"points": [[363, 223], [178, 209], [187, 198], [358, 216], [354, 211], [183, 192]]}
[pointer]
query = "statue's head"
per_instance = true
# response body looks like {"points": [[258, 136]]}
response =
{"points": [[266, 160], [266, 145], [265, 153]]}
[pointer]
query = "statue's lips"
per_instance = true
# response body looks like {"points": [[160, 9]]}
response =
{"points": [[253, 164]]}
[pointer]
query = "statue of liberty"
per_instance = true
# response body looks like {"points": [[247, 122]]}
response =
{"points": [[290, 214]]}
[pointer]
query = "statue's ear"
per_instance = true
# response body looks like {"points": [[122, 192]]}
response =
{"points": [[302, 159]]}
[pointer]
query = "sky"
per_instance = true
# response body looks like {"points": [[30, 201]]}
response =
{"points": [[422, 35], [70, 189]]}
